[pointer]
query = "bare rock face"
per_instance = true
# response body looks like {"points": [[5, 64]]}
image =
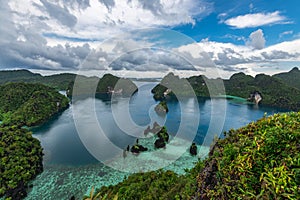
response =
{"points": [[255, 97]]}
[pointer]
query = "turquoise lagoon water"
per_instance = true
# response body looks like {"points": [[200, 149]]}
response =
{"points": [[70, 169]]}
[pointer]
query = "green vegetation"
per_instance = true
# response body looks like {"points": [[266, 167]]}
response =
{"points": [[108, 84], [116, 83], [23, 104], [21, 160], [29, 104], [258, 161], [291, 78], [274, 91], [18, 76], [65, 81], [57, 81], [152, 185]]}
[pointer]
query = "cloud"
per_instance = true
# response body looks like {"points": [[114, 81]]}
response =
{"points": [[61, 34], [230, 58], [66, 35], [62, 15], [256, 39], [285, 33], [256, 20], [108, 3], [151, 60]]}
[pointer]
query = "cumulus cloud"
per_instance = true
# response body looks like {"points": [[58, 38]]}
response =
{"points": [[63, 34], [62, 15], [257, 39], [151, 60], [228, 57], [108, 3], [256, 19]]}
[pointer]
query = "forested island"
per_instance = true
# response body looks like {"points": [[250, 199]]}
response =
{"points": [[281, 90], [65, 81]]}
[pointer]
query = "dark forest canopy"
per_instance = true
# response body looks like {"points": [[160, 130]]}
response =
{"points": [[29, 104], [23, 104], [21, 161]]}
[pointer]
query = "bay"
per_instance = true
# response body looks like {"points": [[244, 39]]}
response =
{"points": [[71, 169]]}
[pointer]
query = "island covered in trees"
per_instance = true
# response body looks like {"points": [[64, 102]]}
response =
{"points": [[281, 90]]}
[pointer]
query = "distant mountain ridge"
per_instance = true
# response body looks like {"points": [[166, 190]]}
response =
{"points": [[281, 90], [58, 81], [65, 81]]}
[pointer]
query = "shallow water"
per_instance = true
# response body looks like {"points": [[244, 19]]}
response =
{"points": [[70, 169]]}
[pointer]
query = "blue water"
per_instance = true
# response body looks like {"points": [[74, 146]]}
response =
{"points": [[70, 168]]}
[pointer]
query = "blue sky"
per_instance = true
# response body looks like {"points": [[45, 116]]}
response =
{"points": [[150, 38], [212, 27]]}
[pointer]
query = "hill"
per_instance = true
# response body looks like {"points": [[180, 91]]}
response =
{"points": [[29, 104], [291, 78], [258, 161], [108, 84], [18, 76], [57, 81], [65, 81], [274, 92]]}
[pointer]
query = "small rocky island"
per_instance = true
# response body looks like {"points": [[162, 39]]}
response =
{"points": [[255, 97], [158, 132], [161, 108]]}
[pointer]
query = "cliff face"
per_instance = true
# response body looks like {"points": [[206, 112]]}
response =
{"points": [[255, 97]]}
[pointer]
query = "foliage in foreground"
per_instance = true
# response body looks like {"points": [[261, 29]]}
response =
{"points": [[152, 185], [258, 161], [21, 160]]}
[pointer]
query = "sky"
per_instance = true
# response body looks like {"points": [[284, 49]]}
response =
{"points": [[143, 38]]}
